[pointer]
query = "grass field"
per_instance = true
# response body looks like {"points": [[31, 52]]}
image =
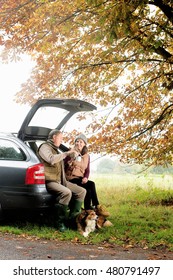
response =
{"points": [[141, 208], [141, 212]]}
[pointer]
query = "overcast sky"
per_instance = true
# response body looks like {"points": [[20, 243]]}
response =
{"points": [[12, 76]]}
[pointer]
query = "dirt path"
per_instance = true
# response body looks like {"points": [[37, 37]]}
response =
{"points": [[14, 247]]}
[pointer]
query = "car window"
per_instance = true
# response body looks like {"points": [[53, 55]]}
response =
{"points": [[48, 117], [80, 123], [10, 151]]}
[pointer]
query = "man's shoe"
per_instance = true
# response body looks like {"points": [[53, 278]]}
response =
{"points": [[60, 226], [61, 216], [75, 209]]}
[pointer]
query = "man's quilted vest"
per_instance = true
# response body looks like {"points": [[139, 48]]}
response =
{"points": [[52, 172]]}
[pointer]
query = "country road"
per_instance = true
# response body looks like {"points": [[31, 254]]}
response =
{"points": [[13, 247]]}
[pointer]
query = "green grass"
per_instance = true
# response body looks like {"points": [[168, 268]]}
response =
{"points": [[141, 212]]}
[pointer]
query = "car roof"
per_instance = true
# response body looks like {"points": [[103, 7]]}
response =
{"points": [[71, 106], [6, 134]]}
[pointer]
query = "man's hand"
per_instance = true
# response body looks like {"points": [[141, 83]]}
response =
{"points": [[72, 153]]}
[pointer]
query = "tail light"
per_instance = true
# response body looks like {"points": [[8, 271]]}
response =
{"points": [[35, 175]]}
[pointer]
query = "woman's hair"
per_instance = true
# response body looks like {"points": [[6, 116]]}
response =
{"points": [[84, 150]]}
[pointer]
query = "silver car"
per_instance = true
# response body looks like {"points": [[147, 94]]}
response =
{"points": [[22, 178]]}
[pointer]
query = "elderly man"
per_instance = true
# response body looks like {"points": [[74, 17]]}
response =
{"points": [[56, 181]]}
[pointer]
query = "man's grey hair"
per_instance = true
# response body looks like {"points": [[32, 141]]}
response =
{"points": [[53, 132]]}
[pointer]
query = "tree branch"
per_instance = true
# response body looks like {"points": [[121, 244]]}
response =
{"points": [[155, 122], [165, 8]]}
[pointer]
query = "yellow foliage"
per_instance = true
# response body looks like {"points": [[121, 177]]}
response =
{"points": [[117, 54]]}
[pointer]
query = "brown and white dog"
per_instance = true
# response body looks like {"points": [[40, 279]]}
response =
{"points": [[102, 215], [86, 222], [103, 222]]}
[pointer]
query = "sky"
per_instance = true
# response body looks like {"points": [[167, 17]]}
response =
{"points": [[12, 76]]}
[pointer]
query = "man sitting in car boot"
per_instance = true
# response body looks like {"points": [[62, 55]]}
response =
{"points": [[56, 181]]}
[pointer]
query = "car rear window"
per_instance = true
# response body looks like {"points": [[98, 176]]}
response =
{"points": [[48, 117], [10, 151]]}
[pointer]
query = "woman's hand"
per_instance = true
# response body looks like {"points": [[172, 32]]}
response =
{"points": [[84, 180]]}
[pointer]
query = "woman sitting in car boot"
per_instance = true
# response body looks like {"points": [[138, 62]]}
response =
{"points": [[77, 171]]}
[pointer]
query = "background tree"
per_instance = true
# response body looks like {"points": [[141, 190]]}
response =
{"points": [[118, 54], [107, 165]]}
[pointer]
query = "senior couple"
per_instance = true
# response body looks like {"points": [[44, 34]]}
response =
{"points": [[67, 177]]}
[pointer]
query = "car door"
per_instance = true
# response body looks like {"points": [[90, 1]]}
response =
{"points": [[48, 114], [14, 160]]}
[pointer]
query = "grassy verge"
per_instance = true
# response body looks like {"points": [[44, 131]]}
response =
{"points": [[141, 213]]}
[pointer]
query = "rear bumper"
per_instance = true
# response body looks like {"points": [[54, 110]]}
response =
{"points": [[38, 201], [32, 201]]}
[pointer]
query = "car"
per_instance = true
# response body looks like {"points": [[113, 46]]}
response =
{"points": [[22, 177]]}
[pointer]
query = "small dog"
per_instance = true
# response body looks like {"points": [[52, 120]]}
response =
{"points": [[102, 222], [86, 222]]}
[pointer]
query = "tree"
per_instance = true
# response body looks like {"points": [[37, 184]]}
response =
{"points": [[118, 54], [106, 165]]}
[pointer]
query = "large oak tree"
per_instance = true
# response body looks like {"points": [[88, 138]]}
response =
{"points": [[116, 53]]}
